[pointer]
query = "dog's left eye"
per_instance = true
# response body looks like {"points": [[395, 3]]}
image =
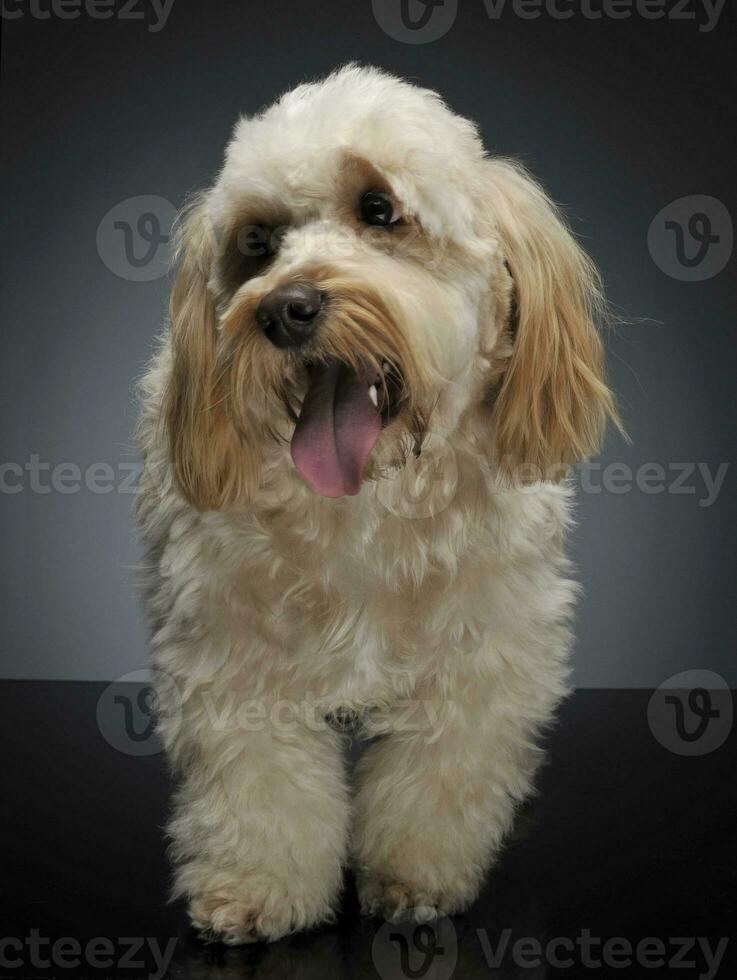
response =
{"points": [[377, 208]]}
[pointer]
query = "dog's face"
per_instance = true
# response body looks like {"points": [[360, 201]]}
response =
{"points": [[362, 273]]}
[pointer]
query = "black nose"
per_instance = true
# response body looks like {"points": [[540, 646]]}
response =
{"points": [[288, 314]]}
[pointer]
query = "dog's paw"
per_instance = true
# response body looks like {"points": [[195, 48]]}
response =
{"points": [[397, 901], [218, 918], [237, 921]]}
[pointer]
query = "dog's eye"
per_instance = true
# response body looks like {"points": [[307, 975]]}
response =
{"points": [[249, 252], [259, 241], [377, 208]]}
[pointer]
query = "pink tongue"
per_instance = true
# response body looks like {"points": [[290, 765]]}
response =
{"points": [[337, 429]]}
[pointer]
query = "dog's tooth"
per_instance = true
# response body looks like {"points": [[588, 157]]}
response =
{"points": [[374, 395]]}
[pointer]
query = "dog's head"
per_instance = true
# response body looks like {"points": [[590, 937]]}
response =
{"points": [[361, 272]]}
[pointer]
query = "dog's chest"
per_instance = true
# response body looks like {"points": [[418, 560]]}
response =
{"points": [[356, 614], [355, 604]]}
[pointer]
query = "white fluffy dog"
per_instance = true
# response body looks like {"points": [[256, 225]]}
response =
{"points": [[380, 363]]}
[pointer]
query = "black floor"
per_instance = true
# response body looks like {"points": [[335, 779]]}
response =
{"points": [[627, 842]]}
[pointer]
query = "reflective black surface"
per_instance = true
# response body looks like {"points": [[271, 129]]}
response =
{"points": [[627, 841]]}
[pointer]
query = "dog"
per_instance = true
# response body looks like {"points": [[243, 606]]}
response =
{"points": [[382, 360]]}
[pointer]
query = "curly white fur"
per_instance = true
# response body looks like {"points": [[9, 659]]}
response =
{"points": [[436, 602]]}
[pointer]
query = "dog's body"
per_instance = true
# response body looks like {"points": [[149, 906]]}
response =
{"points": [[402, 566]]}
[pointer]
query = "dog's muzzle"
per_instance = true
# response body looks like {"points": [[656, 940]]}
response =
{"points": [[345, 405]]}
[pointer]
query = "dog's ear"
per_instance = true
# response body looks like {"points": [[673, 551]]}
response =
{"points": [[202, 445], [552, 401]]}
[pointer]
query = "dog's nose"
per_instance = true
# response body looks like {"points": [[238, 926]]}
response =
{"points": [[288, 314]]}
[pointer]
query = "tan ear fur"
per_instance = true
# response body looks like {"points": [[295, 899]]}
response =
{"points": [[204, 450], [553, 402]]}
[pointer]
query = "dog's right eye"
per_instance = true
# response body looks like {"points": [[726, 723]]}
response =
{"points": [[377, 208], [259, 241], [249, 252]]}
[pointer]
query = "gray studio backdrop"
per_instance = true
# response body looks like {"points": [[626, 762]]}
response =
{"points": [[108, 124]]}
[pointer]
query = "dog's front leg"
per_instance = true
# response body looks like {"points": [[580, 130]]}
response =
{"points": [[260, 823], [436, 795]]}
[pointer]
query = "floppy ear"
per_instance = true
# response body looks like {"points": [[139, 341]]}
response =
{"points": [[203, 447], [552, 403]]}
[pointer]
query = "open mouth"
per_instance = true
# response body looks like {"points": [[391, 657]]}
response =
{"points": [[341, 419]]}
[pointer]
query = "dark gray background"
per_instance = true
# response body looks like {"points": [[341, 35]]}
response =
{"points": [[618, 118]]}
